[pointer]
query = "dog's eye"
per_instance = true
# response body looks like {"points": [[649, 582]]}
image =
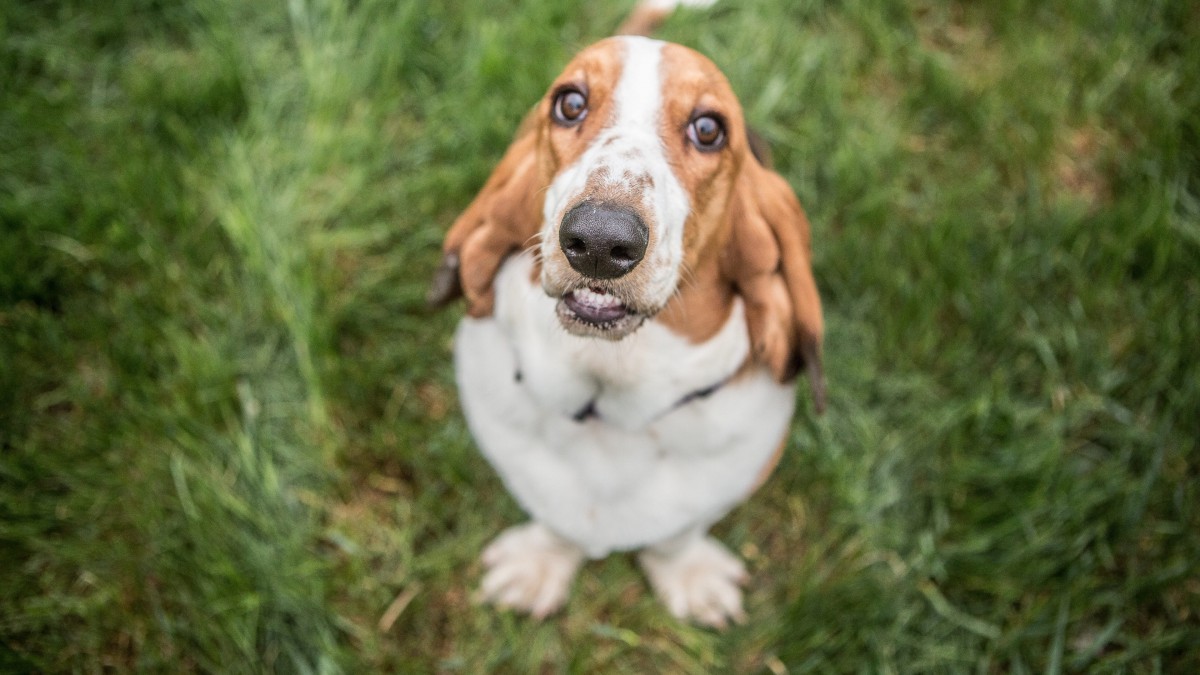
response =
{"points": [[707, 133], [570, 107]]}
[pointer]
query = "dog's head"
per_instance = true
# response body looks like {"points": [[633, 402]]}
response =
{"points": [[635, 181]]}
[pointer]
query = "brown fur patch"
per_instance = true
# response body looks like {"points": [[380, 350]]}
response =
{"points": [[769, 260], [694, 85], [506, 215]]}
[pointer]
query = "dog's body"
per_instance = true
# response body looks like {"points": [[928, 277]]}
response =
{"points": [[629, 376], [615, 445]]}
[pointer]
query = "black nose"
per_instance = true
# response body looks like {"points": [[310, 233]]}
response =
{"points": [[602, 241]]}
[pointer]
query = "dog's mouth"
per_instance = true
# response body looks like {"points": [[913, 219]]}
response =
{"points": [[595, 306], [596, 312]]}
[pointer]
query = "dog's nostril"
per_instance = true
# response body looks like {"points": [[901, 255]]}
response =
{"points": [[620, 253], [576, 246]]}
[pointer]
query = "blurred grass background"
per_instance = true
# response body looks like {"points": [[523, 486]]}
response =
{"points": [[229, 439]]}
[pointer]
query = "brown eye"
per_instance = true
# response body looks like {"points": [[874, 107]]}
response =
{"points": [[570, 107], [707, 133]]}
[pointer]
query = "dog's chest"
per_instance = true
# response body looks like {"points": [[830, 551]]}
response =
{"points": [[628, 383], [614, 445]]}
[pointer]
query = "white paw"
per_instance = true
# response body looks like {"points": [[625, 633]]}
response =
{"points": [[699, 580], [529, 569]]}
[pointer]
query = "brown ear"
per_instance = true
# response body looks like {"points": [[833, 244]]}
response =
{"points": [[769, 261], [502, 219]]}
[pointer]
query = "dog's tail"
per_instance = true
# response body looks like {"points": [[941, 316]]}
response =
{"points": [[648, 15]]}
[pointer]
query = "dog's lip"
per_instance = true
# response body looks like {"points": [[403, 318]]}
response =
{"points": [[593, 310], [596, 306]]}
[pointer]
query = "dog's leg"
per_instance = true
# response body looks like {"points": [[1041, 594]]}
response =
{"points": [[529, 569], [696, 578]]}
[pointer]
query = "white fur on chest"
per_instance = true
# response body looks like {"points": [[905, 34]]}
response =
{"points": [[650, 463]]}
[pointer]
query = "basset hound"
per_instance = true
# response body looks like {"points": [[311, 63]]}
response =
{"points": [[640, 298]]}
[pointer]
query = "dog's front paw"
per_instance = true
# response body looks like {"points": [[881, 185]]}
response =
{"points": [[699, 580], [529, 569]]}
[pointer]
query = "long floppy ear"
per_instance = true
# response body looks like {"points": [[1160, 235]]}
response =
{"points": [[769, 260], [501, 220]]}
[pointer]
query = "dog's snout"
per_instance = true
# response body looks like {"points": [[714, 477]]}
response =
{"points": [[603, 241]]}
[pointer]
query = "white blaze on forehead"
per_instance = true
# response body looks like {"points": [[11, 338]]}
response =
{"points": [[628, 154], [639, 93]]}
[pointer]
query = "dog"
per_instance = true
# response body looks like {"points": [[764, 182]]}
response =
{"points": [[640, 299]]}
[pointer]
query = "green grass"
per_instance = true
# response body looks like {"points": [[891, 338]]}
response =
{"points": [[229, 439]]}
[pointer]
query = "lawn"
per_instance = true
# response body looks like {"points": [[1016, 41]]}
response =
{"points": [[229, 436]]}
